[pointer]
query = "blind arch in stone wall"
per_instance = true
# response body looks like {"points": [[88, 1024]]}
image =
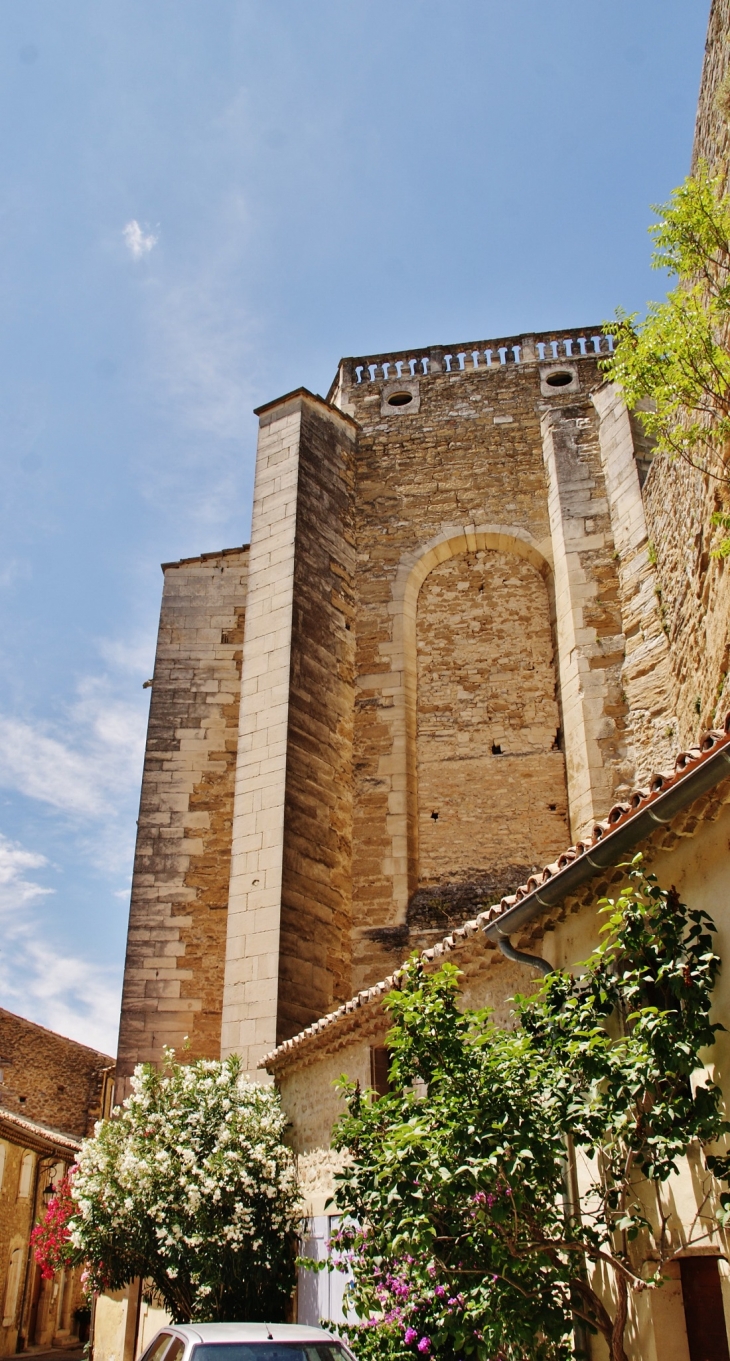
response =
{"points": [[531, 560], [490, 772]]}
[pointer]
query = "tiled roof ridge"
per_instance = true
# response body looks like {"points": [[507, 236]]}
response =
{"points": [[205, 557], [28, 1126], [621, 813], [56, 1035]]}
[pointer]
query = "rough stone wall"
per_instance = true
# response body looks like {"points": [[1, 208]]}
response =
{"points": [[712, 128], [315, 964], [308, 1091], [51, 1079], [463, 456], [418, 577], [492, 802], [173, 980], [693, 591]]}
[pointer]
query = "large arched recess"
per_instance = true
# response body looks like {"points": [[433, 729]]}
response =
{"points": [[413, 572]]}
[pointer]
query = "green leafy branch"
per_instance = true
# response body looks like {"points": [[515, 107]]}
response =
{"points": [[510, 1173], [674, 366]]}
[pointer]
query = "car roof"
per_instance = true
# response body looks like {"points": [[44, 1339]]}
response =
{"points": [[251, 1332]]}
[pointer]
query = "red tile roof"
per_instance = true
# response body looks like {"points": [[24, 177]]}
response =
{"points": [[30, 1132], [710, 744]]}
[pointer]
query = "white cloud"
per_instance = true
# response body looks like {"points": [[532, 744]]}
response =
{"points": [[41, 767], [85, 770], [15, 889], [74, 996], [203, 355], [53, 987], [48, 985], [138, 242], [13, 570], [130, 654]]}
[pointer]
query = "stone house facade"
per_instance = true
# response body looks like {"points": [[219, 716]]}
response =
{"points": [[476, 649], [47, 1077], [680, 822], [52, 1092], [32, 1159]]}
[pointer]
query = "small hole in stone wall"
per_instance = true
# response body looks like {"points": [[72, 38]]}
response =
{"points": [[496, 749], [400, 399], [481, 588], [557, 740], [435, 817], [347, 626], [559, 380], [552, 807], [22, 1100]]}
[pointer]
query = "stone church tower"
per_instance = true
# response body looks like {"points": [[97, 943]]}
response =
{"points": [[440, 658]]}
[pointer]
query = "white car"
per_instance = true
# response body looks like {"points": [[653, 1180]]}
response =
{"points": [[245, 1342]]}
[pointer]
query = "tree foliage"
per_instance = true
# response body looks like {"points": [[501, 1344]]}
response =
{"points": [[191, 1187], [674, 366], [465, 1226], [676, 360]]}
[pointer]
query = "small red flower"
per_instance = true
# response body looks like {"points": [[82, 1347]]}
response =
{"points": [[51, 1238]]}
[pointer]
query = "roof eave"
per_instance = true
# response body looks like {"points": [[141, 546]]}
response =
{"points": [[616, 843]]}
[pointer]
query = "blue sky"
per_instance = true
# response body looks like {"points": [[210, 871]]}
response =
{"points": [[204, 205]]}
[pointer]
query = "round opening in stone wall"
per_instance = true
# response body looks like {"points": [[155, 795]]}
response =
{"points": [[400, 399], [559, 380]]}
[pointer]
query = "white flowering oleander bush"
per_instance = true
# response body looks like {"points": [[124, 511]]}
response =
{"points": [[191, 1186]]}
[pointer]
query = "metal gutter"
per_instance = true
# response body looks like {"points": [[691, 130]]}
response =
{"points": [[610, 845]]}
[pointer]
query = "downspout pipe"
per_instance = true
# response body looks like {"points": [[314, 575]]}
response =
{"points": [[519, 956], [609, 850]]}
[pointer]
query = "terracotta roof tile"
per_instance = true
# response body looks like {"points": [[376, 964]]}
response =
{"points": [[36, 1131], [620, 814]]}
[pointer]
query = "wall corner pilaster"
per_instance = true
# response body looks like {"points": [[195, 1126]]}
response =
{"points": [[589, 637], [645, 674]]}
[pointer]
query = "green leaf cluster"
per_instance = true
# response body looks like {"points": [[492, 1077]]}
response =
{"points": [[465, 1227], [674, 365]]}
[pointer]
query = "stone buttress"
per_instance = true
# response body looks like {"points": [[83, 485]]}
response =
{"points": [[453, 662]]}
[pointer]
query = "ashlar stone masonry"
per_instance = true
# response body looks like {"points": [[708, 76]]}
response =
{"points": [[173, 977], [440, 659]]}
